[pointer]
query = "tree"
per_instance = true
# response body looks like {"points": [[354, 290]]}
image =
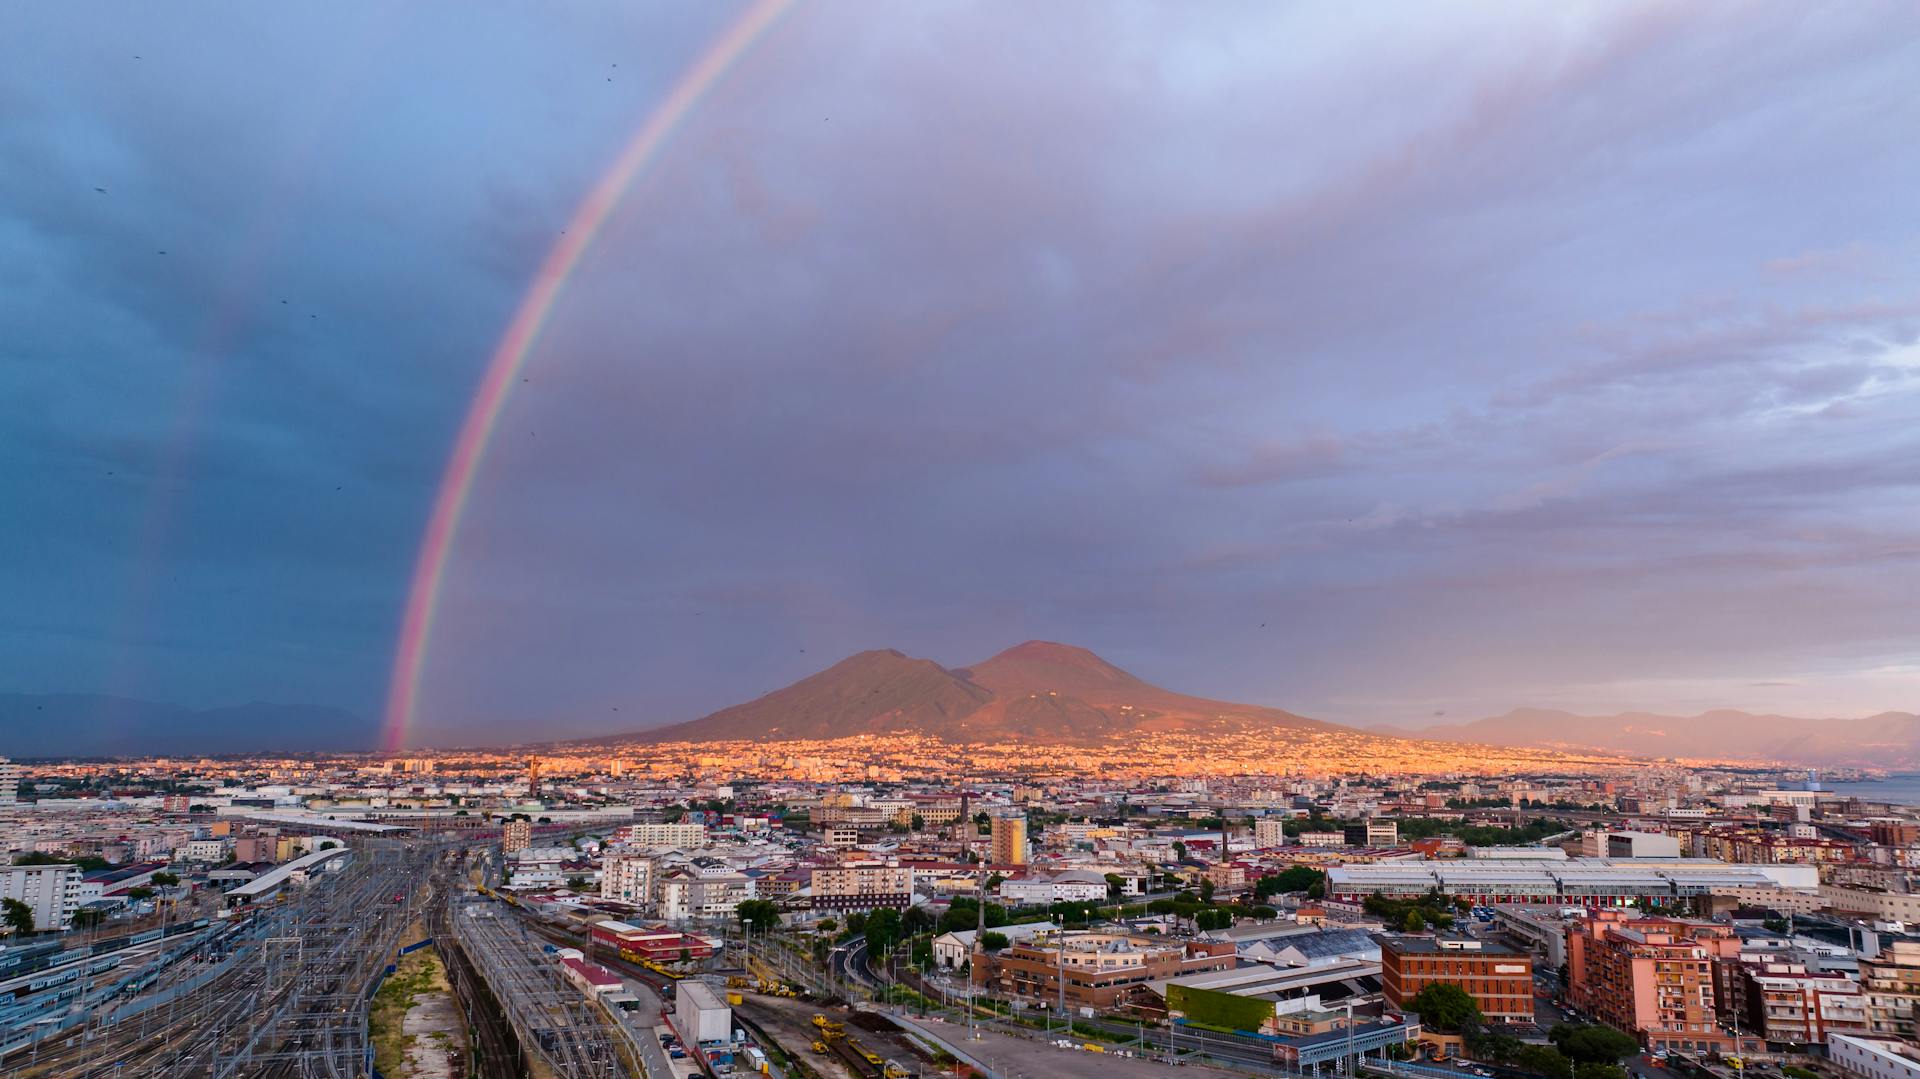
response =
{"points": [[38, 857], [760, 915], [1445, 1007], [1179, 851], [139, 893], [1414, 923], [827, 925], [992, 941], [88, 917], [916, 920], [1592, 1043], [166, 880], [1115, 885], [17, 916], [917, 822], [1206, 890], [1543, 1060], [883, 930], [577, 883], [856, 922]]}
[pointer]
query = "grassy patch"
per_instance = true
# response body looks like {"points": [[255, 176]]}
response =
{"points": [[418, 972]]}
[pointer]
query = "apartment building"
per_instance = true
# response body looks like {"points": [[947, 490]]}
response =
{"points": [[1373, 833], [627, 878], [1102, 970], [685, 895], [862, 886], [1791, 1006], [1269, 833], [1009, 840], [1650, 977], [1891, 980], [654, 834], [516, 836], [1498, 978], [51, 892]]}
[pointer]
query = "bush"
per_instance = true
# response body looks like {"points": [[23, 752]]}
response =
{"points": [[1445, 1007]]}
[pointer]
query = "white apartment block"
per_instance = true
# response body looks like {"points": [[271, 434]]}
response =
{"points": [[9, 784], [52, 892], [664, 835], [1269, 833], [687, 897], [628, 878]]}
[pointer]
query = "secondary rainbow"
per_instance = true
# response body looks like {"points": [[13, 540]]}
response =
{"points": [[483, 414]]}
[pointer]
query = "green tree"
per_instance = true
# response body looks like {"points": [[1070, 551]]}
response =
{"points": [[37, 857], [1414, 922], [1179, 851], [1543, 1060], [166, 880], [917, 822], [1115, 885], [856, 922], [761, 915], [992, 941], [883, 930], [1206, 890], [827, 925], [916, 920], [1592, 1043], [578, 884], [1446, 1008], [17, 916]]}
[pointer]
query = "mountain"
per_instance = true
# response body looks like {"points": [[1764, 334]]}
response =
{"points": [[1038, 691], [1887, 740], [92, 725]]}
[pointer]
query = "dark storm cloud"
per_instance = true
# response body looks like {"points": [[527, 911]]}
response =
{"points": [[1484, 359]]}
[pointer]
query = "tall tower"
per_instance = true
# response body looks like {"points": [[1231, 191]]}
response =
{"points": [[9, 783], [1009, 839]]}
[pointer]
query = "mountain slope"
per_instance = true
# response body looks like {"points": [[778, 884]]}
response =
{"points": [[93, 725], [1887, 740], [866, 693], [1038, 691]]}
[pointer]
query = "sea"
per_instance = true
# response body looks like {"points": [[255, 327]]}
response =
{"points": [[1902, 789]]}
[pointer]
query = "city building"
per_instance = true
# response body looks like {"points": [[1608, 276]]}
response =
{"points": [[1891, 979], [627, 878], [677, 834], [1590, 882], [1269, 832], [1009, 839], [1041, 889], [9, 784], [657, 944], [1498, 978], [862, 886], [1102, 970], [1642, 845], [51, 892], [954, 950], [1862, 1057], [1650, 977], [1373, 833], [1794, 1007], [516, 836]]}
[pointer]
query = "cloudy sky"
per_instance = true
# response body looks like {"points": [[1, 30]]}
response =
{"points": [[1373, 362]]}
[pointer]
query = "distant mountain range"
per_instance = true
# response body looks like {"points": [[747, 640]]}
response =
{"points": [[1888, 740], [1039, 692], [91, 725]]}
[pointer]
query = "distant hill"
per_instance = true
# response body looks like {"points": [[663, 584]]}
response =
{"points": [[1887, 740], [92, 725], [1038, 691]]}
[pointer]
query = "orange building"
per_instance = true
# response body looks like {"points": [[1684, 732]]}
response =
{"points": [[1650, 977], [1498, 978]]}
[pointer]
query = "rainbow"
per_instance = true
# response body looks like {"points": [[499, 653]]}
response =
{"points": [[483, 414]]}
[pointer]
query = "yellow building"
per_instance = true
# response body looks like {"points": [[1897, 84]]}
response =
{"points": [[1009, 841]]}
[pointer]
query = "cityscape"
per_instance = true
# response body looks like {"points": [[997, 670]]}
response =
{"points": [[1103, 540]]}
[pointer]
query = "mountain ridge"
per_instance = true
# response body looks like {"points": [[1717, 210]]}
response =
{"points": [[1040, 691]]}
